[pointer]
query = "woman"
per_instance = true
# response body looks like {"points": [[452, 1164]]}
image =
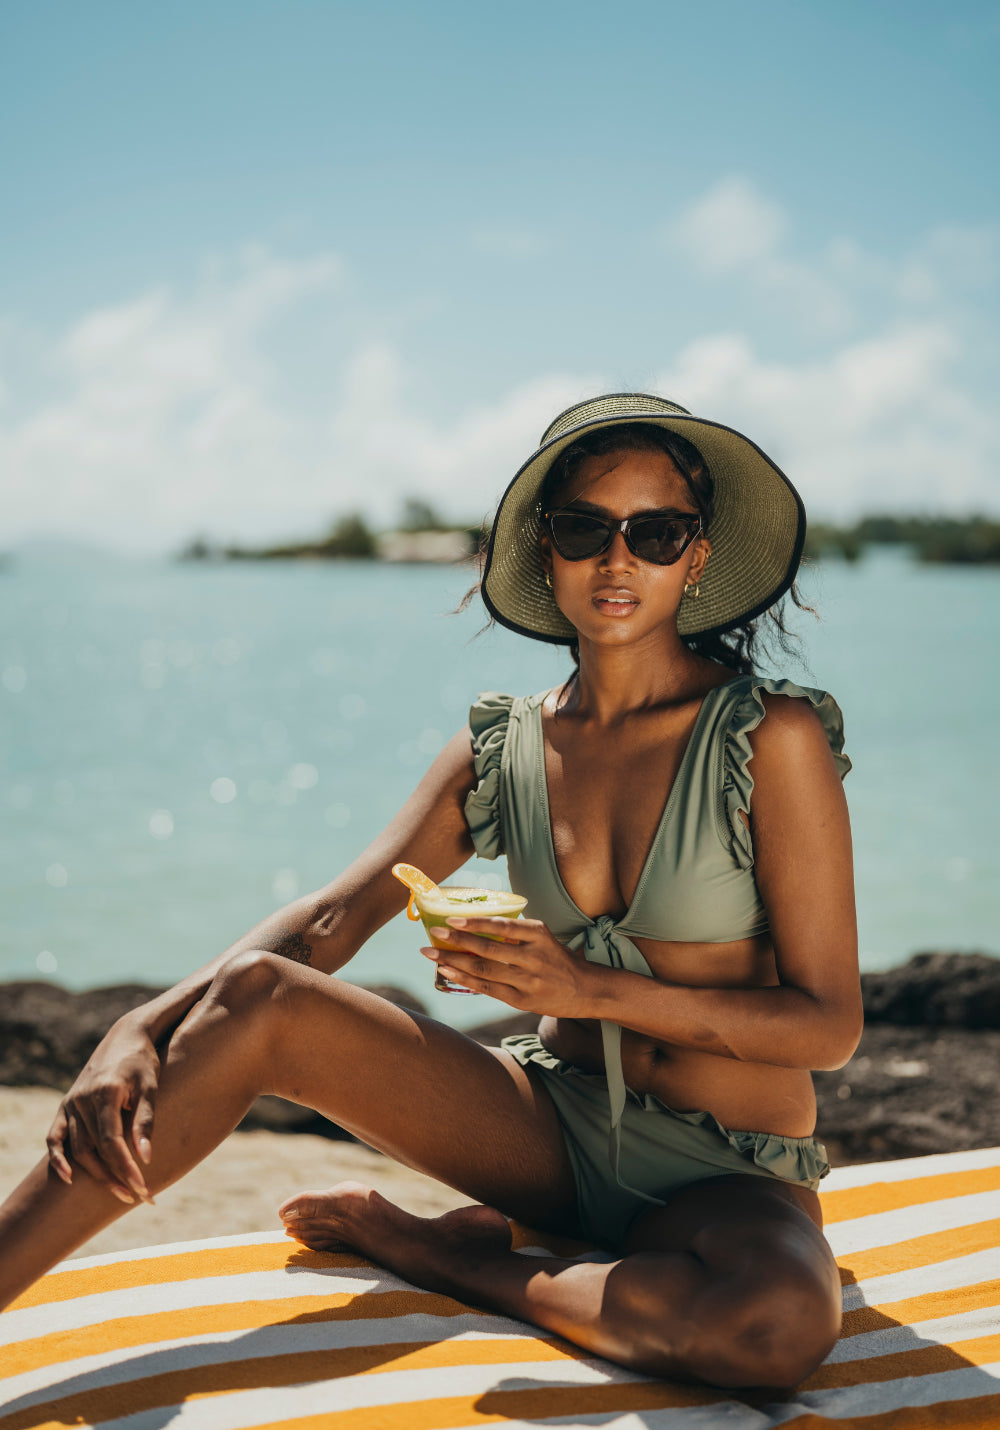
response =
{"points": [[692, 947]]}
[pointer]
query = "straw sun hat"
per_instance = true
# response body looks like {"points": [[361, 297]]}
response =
{"points": [[757, 531]]}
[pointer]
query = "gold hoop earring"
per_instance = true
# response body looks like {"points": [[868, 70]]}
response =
{"points": [[548, 579], [693, 591]]}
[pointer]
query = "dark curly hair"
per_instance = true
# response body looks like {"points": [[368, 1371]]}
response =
{"points": [[745, 644]]}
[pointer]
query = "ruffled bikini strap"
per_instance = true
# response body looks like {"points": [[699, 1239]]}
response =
{"points": [[746, 715], [489, 718]]}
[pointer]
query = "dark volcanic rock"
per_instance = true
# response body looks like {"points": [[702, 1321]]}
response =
{"points": [[908, 1092], [939, 990], [925, 1076], [47, 1033]]}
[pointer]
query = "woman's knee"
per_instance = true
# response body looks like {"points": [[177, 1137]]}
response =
{"points": [[773, 1328]]}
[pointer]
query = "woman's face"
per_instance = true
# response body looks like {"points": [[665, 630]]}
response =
{"points": [[616, 598]]}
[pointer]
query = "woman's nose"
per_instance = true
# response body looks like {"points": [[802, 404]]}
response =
{"points": [[617, 555]]}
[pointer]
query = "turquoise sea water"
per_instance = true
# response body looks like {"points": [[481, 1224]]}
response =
{"points": [[185, 748]]}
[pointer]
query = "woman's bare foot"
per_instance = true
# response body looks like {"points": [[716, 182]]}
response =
{"points": [[429, 1251]]}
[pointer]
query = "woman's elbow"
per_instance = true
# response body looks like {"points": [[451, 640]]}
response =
{"points": [[838, 1038]]}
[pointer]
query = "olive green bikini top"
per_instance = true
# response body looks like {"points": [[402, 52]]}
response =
{"points": [[697, 884]]}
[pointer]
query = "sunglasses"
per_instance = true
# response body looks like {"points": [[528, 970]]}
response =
{"points": [[660, 540]]}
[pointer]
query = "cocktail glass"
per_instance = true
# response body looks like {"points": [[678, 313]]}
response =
{"points": [[448, 900]]}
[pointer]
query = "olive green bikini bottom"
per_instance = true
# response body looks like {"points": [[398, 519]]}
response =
{"points": [[661, 1151]]}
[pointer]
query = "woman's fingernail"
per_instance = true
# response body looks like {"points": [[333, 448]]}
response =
{"points": [[291, 1215], [145, 1149], [123, 1196], [458, 923], [443, 932]]}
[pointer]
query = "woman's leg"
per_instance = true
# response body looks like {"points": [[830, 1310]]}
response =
{"points": [[407, 1085], [731, 1283]]}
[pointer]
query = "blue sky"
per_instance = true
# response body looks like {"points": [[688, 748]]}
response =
{"points": [[266, 262]]}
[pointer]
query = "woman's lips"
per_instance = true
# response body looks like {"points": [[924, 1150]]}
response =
{"points": [[616, 603]]}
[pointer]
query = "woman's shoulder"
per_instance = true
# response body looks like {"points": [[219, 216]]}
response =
{"points": [[492, 710], [774, 715], [773, 731]]}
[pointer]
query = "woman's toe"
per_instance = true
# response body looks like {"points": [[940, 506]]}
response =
{"points": [[302, 1207]]}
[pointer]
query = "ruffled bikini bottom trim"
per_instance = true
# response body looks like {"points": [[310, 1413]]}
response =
{"points": [[793, 1159]]}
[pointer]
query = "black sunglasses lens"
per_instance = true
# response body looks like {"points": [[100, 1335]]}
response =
{"points": [[661, 540], [577, 536]]}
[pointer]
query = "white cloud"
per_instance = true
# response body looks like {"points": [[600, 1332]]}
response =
{"points": [[170, 413], [890, 414], [733, 234], [167, 414], [879, 424], [386, 449], [171, 420], [730, 228]]}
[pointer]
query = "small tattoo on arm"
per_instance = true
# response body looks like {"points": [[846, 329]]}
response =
{"points": [[293, 946]]}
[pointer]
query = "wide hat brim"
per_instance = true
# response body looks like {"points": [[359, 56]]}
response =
{"points": [[757, 531]]}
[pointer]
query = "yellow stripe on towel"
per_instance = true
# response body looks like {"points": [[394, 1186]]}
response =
{"points": [[325, 1358], [181, 1266], [170, 1388], [130, 1331], [897, 1365], [876, 1197], [918, 1251], [953, 1302]]}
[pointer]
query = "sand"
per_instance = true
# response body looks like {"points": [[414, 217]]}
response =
{"points": [[237, 1189]]}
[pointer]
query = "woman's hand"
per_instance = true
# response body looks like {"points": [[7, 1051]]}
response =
{"points": [[105, 1121], [520, 963]]}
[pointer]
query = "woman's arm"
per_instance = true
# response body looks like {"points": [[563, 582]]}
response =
{"points": [[117, 1087], [803, 866], [326, 928], [804, 870]]}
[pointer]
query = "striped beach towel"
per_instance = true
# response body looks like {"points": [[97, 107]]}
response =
{"points": [[254, 1331]]}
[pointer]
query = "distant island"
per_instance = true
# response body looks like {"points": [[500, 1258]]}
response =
{"points": [[422, 535], [964, 541]]}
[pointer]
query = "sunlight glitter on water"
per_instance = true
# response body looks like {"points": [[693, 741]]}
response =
{"points": [[319, 728]]}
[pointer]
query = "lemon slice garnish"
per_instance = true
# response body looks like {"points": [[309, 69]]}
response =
{"points": [[417, 882]]}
